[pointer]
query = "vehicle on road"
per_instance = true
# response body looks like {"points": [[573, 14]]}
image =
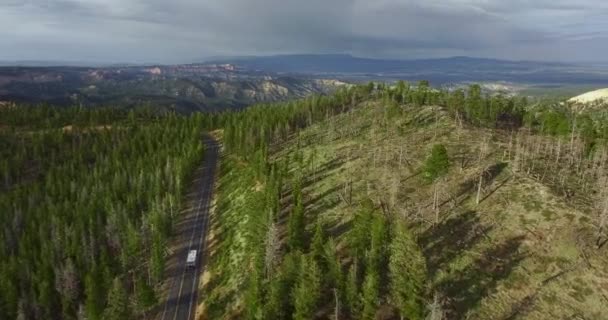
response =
{"points": [[191, 260]]}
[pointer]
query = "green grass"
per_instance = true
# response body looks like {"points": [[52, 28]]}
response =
{"points": [[235, 193]]}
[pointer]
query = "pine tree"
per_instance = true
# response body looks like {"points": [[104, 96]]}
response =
{"points": [[297, 223], [118, 307], [437, 164], [307, 291], [407, 273], [145, 295], [351, 292], [376, 254], [157, 260], [94, 300], [370, 294], [253, 297], [335, 277], [279, 304], [317, 246], [359, 239]]}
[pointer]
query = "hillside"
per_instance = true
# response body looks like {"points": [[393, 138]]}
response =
{"points": [[592, 100], [508, 231]]}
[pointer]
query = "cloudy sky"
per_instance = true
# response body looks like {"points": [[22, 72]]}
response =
{"points": [[172, 31]]}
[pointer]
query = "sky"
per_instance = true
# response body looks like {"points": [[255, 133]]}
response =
{"points": [[176, 31]]}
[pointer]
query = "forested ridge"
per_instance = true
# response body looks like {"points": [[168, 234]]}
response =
{"points": [[86, 210], [88, 198], [286, 252]]}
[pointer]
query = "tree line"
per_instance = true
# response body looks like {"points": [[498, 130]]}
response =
{"points": [[498, 110]]}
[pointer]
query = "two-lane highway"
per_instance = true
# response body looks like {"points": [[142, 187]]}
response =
{"points": [[191, 231]]}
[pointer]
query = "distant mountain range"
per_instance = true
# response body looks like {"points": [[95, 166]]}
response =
{"points": [[240, 81], [438, 71], [186, 88]]}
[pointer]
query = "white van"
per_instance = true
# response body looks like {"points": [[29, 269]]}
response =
{"points": [[191, 260]]}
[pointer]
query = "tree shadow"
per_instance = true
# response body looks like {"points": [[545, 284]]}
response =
{"points": [[321, 172], [338, 229], [466, 189], [321, 207], [311, 202], [445, 241], [466, 290]]}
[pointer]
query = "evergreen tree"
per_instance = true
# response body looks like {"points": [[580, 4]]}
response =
{"points": [[253, 298], [359, 239], [437, 164], [145, 295], [94, 299], [335, 277], [307, 291], [351, 291], [407, 273], [379, 238], [118, 307], [297, 223], [279, 304], [370, 294], [317, 247]]}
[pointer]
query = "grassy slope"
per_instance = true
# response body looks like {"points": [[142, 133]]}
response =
{"points": [[223, 282], [522, 253]]}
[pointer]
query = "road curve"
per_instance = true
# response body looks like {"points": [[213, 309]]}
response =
{"points": [[190, 231]]}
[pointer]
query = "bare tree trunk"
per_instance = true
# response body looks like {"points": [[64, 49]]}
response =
{"points": [[572, 135], [559, 150], [350, 190], [479, 188], [482, 153], [337, 310], [435, 311], [394, 191], [603, 216], [510, 148], [436, 124], [436, 186], [273, 245], [374, 159]]}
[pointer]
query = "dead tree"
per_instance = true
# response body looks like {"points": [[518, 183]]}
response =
{"points": [[337, 307], [482, 153], [601, 238], [273, 246], [435, 310]]}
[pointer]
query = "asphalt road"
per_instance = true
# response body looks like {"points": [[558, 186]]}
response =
{"points": [[190, 231]]}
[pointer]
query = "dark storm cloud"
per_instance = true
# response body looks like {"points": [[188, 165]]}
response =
{"points": [[185, 30]]}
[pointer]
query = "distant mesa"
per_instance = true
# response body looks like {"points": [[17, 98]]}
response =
{"points": [[155, 71], [597, 96]]}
